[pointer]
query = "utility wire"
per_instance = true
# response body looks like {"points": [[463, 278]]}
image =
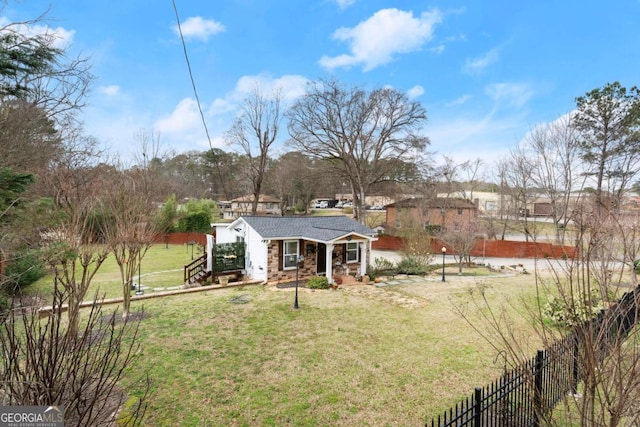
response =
{"points": [[193, 82]]}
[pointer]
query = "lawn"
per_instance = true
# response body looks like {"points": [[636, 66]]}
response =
{"points": [[362, 355], [161, 267], [348, 357]]}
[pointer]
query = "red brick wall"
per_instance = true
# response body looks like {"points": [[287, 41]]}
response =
{"points": [[491, 248]]}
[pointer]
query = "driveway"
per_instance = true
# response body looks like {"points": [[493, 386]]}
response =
{"points": [[529, 264]]}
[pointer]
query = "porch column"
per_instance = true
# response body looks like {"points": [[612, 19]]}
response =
{"points": [[329, 262], [364, 246]]}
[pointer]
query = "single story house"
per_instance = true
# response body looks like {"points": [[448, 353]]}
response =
{"points": [[278, 248]]}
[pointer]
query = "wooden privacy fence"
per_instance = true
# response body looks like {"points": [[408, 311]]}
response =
{"points": [[523, 396]]}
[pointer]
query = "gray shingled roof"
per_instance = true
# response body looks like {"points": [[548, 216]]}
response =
{"points": [[319, 228]]}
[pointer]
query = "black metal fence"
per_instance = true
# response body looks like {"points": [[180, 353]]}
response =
{"points": [[525, 395]]}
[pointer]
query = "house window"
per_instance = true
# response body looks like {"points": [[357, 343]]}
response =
{"points": [[459, 211], [352, 252], [290, 255]]}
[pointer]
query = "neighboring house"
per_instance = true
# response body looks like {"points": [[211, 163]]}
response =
{"points": [[441, 212], [267, 205], [488, 203], [329, 246]]}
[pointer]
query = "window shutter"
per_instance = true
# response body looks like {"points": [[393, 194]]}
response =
{"points": [[280, 256]]}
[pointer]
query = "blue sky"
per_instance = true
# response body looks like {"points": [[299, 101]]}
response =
{"points": [[486, 71]]}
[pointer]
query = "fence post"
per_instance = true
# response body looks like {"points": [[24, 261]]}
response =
{"points": [[576, 363], [477, 407], [537, 393]]}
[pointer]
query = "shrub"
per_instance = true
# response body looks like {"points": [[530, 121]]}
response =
{"points": [[571, 313], [381, 267], [411, 265], [318, 282], [4, 305], [24, 269], [198, 222]]}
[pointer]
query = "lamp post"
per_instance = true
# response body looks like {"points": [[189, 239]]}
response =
{"points": [[139, 291], [299, 259], [191, 243], [444, 252]]}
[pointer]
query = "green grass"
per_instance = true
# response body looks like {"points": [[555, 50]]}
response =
{"points": [[161, 267], [343, 359]]}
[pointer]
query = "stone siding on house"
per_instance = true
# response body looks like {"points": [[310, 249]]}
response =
{"points": [[308, 267]]}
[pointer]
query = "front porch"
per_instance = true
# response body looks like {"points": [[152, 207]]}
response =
{"points": [[333, 260]]}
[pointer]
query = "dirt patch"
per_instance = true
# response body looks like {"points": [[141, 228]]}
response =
{"points": [[386, 295]]}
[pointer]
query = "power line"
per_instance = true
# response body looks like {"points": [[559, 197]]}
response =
{"points": [[193, 82]]}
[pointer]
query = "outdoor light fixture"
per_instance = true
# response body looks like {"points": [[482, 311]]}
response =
{"points": [[191, 243], [444, 252], [299, 260]]}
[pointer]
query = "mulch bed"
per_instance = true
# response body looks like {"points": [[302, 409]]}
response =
{"points": [[301, 284]]}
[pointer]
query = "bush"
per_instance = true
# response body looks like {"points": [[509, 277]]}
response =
{"points": [[24, 269], [4, 306], [199, 222], [318, 282], [381, 267], [571, 313], [411, 265]]}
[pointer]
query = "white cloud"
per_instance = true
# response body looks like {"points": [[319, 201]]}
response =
{"points": [[290, 86], [184, 117], [110, 90], [380, 38], [183, 126], [343, 4], [477, 65], [197, 28], [61, 38], [459, 101], [468, 137], [415, 92], [509, 94]]}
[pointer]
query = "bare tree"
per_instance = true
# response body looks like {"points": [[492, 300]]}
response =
{"points": [[553, 152], [45, 363], [357, 132], [473, 175], [254, 132], [516, 172], [73, 255], [221, 171], [584, 312], [294, 178], [128, 228], [462, 241]]}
